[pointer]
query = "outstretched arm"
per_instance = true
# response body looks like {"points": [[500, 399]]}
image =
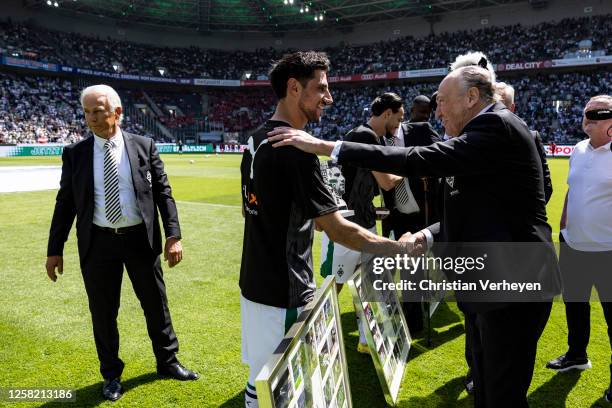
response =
{"points": [[360, 239]]}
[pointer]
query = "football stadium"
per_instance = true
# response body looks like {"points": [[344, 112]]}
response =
{"points": [[238, 177]]}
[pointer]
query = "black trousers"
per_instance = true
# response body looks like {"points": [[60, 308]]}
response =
{"points": [[399, 224], [580, 271], [469, 332], [504, 342], [102, 272]]}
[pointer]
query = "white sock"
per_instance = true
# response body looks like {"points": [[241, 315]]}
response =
{"points": [[250, 397], [362, 337]]}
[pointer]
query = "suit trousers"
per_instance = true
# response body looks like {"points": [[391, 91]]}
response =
{"points": [[469, 332], [102, 271], [504, 342], [580, 271], [401, 223]]}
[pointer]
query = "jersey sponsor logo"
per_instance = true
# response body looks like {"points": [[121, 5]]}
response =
{"points": [[250, 201]]}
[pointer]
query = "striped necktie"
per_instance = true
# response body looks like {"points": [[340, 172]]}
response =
{"points": [[111, 183], [401, 194]]}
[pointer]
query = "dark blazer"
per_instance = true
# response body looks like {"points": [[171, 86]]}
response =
{"points": [[548, 187], [76, 194], [417, 134], [494, 189]]}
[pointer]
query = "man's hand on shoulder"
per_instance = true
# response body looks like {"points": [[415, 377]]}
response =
{"points": [[54, 261], [173, 251], [287, 136]]}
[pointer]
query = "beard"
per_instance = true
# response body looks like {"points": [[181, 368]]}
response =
{"points": [[390, 130], [311, 113]]}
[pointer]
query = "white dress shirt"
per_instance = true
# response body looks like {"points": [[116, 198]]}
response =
{"points": [[589, 200], [399, 137], [130, 214]]}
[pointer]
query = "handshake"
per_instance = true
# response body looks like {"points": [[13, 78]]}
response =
{"points": [[413, 244]]}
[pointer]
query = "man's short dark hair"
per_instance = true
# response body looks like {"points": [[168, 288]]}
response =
{"points": [[388, 100], [300, 65]]}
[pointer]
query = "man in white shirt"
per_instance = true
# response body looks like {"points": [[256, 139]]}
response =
{"points": [[586, 234], [114, 183]]}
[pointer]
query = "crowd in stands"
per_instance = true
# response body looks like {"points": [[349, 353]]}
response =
{"points": [[46, 109], [240, 110], [515, 43], [550, 103], [528, 43]]}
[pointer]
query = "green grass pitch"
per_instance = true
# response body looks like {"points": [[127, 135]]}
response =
{"points": [[45, 329]]}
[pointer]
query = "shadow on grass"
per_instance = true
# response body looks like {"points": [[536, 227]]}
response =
{"points": [[237, 401], [444, 316], [365, 388], [420, 346], [91, 395], [445, 396], [363, 378], [554, 392]]}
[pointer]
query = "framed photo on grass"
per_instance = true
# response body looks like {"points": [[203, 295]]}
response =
{"points": [[385, 329], [308, 369]]}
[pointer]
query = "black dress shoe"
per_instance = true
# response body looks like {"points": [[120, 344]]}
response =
{"points": [[112, 389], [178, 372], [565, 363]]}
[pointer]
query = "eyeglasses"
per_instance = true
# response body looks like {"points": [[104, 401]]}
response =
{"points": [[598, 114]]}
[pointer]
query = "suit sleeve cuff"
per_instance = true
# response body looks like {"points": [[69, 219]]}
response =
{"points": [[335, 152], [428, 236]]}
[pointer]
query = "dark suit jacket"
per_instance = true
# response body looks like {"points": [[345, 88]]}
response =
{"points": [[417, 134], [494, 190], [548, 187], [76, 194]]}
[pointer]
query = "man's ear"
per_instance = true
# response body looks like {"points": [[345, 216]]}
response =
{"points": [[293, 86], [473, 96], [118, 111]]}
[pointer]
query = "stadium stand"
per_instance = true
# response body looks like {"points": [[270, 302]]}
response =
{"points": [[45, 109], [544, 41]]}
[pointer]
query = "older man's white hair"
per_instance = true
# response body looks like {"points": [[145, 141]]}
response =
{"points": [[111, 96], [477, 77], [473, 58]]}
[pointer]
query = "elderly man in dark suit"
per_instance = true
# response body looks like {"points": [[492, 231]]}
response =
{"points": [[494, 193], [114, 183]]}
